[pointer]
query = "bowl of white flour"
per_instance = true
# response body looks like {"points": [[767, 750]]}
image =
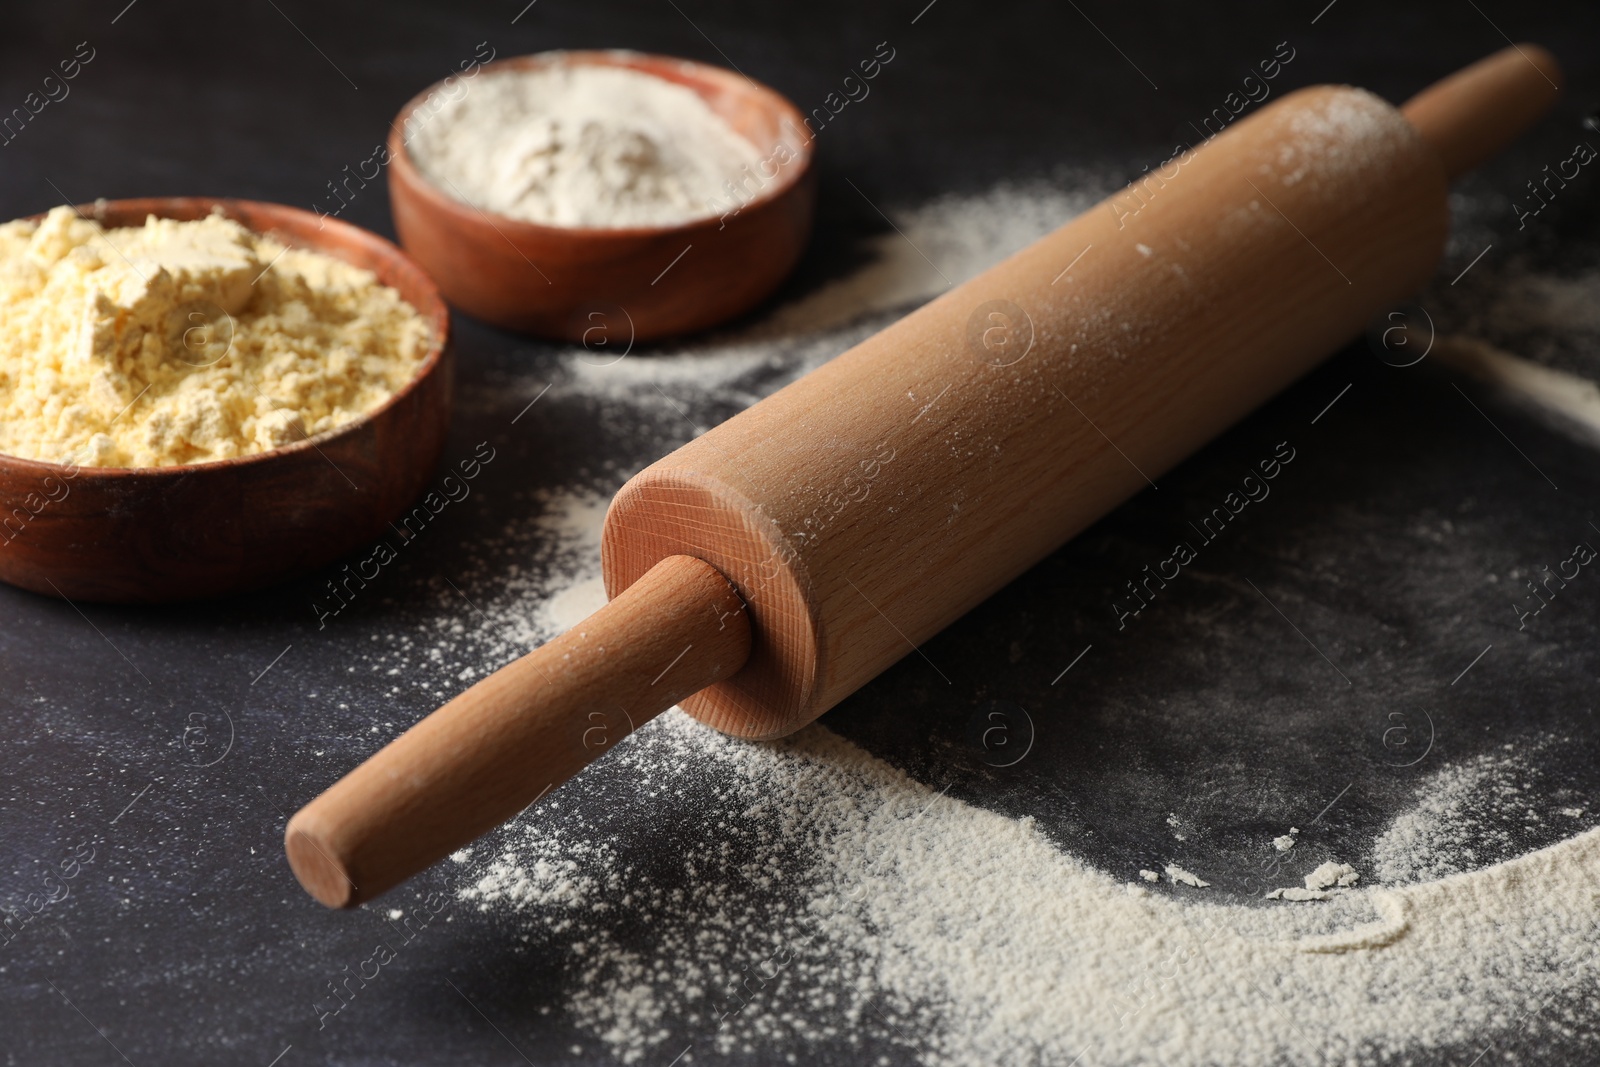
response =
{"points": [[603, 197]]}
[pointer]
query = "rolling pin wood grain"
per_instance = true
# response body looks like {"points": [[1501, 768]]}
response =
{"points": [[797, 550]]}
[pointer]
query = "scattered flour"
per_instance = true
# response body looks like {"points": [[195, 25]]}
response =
{"points": [[1533, 335], [1350, 131], [1573, 400], [1320, 883], [1294, 892], [1332, 875], [963, 235], [1545, 304], [834, 903], [1468, 815], [1180, 876]]}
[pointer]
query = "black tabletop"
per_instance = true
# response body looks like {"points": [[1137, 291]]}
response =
{"points": [[168, 746]]}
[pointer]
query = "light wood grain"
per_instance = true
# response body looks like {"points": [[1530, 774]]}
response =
{"points": [[494, 749]]}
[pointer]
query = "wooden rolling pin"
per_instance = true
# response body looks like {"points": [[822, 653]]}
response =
{"points": [[767, 569]]}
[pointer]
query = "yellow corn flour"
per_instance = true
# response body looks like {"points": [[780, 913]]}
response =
{"points": [[185, 342]]}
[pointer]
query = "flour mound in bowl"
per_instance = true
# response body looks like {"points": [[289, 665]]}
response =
{"points": [[186, 342], [581, 145]]}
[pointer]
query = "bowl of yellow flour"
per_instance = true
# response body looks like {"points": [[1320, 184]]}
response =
{"points": [[201, 396]]}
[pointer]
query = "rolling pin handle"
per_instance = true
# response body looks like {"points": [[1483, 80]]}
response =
{"points": [[1479, 110], [516, 734]]}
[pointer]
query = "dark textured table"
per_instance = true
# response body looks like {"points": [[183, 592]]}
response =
{"points": [[169, 745]]}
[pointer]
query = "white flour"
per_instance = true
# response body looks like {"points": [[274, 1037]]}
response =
{"points": [[582, 145], [824, 898], [967, 936], [1547, 303], [1532, 335], [1472, 814], [1321, 883], [1570, 402], [819, 905], [1180, 876]]}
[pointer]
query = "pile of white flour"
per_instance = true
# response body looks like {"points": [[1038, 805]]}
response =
{"points": [[813, 904], [913, 919], [822, 900], [582, 145]]}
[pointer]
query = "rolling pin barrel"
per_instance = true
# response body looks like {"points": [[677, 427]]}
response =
{"points": [[772, 566], [866, 506]]}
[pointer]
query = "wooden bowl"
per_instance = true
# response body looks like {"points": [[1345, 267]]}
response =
{"points": [[566, 282], [152, 534]]}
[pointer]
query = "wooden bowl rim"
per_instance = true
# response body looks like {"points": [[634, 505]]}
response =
{"points": [[787, 179], [436, 313]]}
